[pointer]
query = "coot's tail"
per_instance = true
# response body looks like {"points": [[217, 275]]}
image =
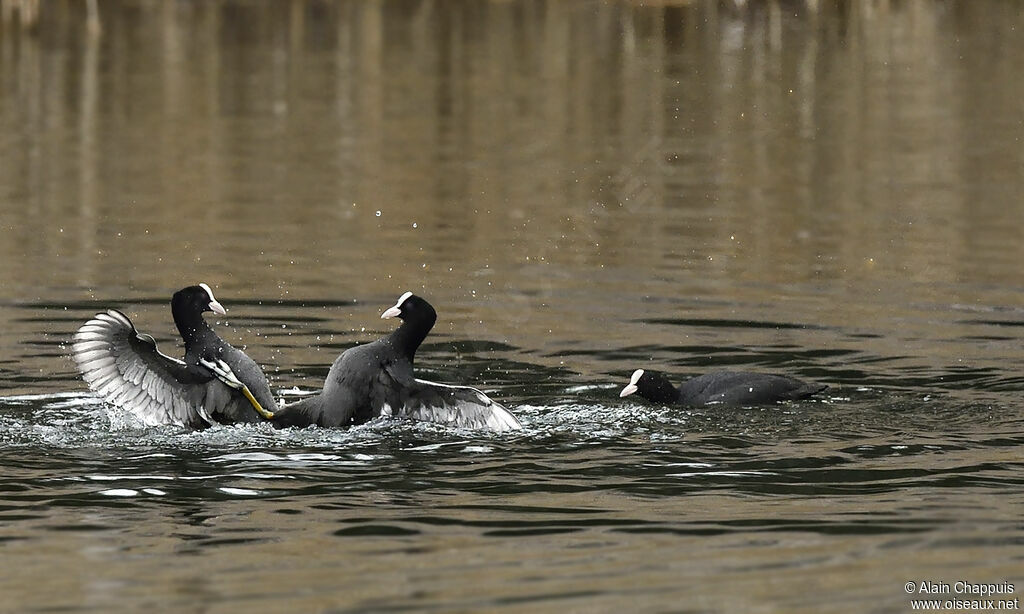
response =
{"points": [[804, 391]]}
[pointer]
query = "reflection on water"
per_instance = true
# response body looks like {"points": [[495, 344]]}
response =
{"points": [[828, 190]]}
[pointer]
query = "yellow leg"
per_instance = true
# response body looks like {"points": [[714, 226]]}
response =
{"points": [[256, 404]]}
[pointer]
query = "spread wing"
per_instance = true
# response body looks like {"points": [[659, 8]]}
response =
{"points": [[124, 367], [458, 406]]}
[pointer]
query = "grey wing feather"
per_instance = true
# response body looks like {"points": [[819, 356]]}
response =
{"points": [[458, 406], [126, 370]]}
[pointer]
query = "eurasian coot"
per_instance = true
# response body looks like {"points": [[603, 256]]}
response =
{"points": [[216, 383], [377, 379], [724, 387]]}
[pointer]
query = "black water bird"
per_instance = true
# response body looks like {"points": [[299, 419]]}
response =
{"points": [[215, 383], [720, 387], [377, 379]]}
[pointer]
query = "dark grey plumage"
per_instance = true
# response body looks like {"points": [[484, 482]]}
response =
{"points": [[127, 370], [720, 387], [377, 379]]}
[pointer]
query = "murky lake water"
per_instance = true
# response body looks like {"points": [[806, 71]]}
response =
{"points": [[581, 188]]}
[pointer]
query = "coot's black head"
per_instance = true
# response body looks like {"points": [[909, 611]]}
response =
{"points": [[412, 310], [417, 316], [652, 386], [194, 300]]}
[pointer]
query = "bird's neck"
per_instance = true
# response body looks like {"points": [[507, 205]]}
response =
{"points": [[662, 391], [408, 337], [193, 328]]}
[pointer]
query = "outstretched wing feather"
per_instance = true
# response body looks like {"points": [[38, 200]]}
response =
{"points": [[128, 371], [457, 406]]}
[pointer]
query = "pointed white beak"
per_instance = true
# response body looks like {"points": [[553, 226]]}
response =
{"points": [[397, 309], [631, 386], [214, 306]]}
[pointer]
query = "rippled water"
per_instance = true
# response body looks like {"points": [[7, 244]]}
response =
{"points": [[823, 190], [901, 471]]}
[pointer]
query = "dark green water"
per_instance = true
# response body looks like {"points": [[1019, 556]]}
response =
{"points": [[826, 190]]}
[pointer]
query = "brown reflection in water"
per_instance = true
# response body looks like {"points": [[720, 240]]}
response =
{"points": [[521, 153]]}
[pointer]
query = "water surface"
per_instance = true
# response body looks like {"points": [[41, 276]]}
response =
{"points": [[581, 188]]}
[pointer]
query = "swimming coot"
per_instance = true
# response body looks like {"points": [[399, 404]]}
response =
{"points": [[724, 387], [216, 383], [377, 379]]}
